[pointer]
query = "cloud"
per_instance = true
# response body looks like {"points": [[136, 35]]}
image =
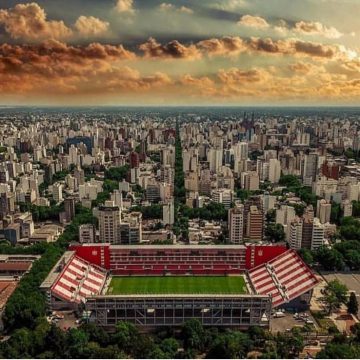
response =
{"points": [[58, 54], [230, 5], [271, 85], [198, 86], [127, 78], [232, 46], [170, 7], [237, 76], [293, 47], [166, 6], [313, 49], [301, 27], [172, 50], [281, 27], [256, 22], [302, 67], [317, 28], [29, 22], [57, 68], [125, 6], [91, 26], [226, 46], [186, 10]]}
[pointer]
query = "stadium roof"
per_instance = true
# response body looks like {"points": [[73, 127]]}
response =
{"points": [[77, 280], [284, 278]]}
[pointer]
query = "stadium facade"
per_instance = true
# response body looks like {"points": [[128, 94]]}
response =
{"points": [[274, 275]]}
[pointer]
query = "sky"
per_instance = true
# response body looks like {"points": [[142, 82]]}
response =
{"points": [[184, 52]]}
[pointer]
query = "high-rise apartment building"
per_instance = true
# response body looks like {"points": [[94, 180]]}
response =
{"points": [[255, 223], [310, 169], [250, 180], [134, 160], [296, 231], [318, 232], [215, 158], [236, 224], [109, 221], [223, 196], [323, 211], [130, 230], [87, 233], [69, 206], [57, 192], [274, 171]]}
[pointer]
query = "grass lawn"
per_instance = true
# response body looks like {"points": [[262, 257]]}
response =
{"points": [[121, 285]]}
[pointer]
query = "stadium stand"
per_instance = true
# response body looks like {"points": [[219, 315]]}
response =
{"points": [[177, 260], [284, 278], [79, 279]]}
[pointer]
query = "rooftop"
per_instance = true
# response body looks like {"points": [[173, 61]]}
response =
{"points": [[6, 289]]}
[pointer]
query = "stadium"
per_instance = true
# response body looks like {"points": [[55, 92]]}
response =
{"points": [[165, 285]]}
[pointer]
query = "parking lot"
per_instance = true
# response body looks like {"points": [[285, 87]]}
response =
{"points": [[63, 319], [351, 280], [287, 322]]}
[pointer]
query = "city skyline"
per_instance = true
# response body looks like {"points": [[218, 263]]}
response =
{"points": [[133, 52]]}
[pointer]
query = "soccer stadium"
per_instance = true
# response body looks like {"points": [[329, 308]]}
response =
{"points": [[165, 285]]}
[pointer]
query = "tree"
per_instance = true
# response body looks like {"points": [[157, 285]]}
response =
{"points": [[257, 335], [193, 335], [330, 259], [275, 232], [126, 336], [355, 329], [117, 173], [289, 181], [353, 306], [143, 347], [169, 347], [96, 333], [243, 194], [289, 345], [56, 340], [231, 345], [336, 213], [299, 209], [21, 343], [352, 259], [271, 215], [76, 343], [356, 208], [150, 212], [255, 154], [339, 351], [307, 256], [335, 295], [350, 153], [350, 228]]}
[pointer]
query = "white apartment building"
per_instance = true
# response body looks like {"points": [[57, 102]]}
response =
{"points": [[318, 233]]}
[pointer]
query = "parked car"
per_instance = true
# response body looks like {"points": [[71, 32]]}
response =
{"points": [[279, 314]]}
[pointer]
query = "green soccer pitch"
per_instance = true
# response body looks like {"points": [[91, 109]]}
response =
{"points": [[122, 285]]}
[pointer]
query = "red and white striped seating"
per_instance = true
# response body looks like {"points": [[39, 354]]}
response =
{"points": [[284, 278], [78, 280]]}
